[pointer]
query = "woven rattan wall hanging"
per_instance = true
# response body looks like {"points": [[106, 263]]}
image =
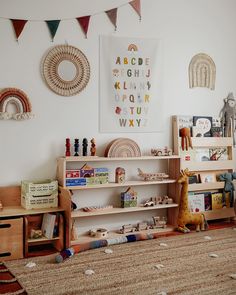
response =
{"points": [[122, 147], [66, 70], [202, 71], [17, 98]]}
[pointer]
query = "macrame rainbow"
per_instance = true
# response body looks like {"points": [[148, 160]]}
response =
{"points": [[132, 47], [202, 71], [19, 99]]}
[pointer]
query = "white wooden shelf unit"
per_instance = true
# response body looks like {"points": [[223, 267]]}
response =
{"points": [[218, 167], [173, 163]]}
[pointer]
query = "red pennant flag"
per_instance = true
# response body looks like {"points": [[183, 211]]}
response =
{"points": [[112, 14], [136, 6], [18, 25], [84, 23]]}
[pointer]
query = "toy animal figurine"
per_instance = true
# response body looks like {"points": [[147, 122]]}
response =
{"points": [[228, 187], [76, 147], [185, 217], [152, 176], [185, 135], [85, 147], [162, 152], [93, 147], [68, 147], [228, 115]]}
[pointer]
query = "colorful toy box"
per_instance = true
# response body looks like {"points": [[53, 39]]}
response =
{"points": [[36, 195], [87, 175], [128, 198]]}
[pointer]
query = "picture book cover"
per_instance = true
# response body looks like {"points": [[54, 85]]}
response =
{"points": [[202, 126], [207, 177], [202, 154], [217, 201], [196, 202], [208, 201], [185, 121], [218, 154], [187, 155], [48, 224], [217, 131]]}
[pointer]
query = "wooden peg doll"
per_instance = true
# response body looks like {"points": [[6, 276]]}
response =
{"points": [[93, 147]]}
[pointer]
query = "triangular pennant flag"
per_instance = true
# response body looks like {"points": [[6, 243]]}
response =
{"points": [[53, 26], [136, 6], [84, 23], [112, 14], [18, 25]]}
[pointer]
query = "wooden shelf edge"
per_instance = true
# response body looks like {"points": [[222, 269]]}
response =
{"points": [[206, 186], [9, 211], [126, 184], [112, 235], [219, 214], [42, 240], [208, 165], [80, 213]]}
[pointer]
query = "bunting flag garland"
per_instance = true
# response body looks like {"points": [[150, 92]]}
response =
{"points": [[112, 14], [84, 23], [53, 26], [18, 25], [136, 6]]}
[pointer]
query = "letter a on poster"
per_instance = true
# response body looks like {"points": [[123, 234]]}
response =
{"points": [[130, 85]]}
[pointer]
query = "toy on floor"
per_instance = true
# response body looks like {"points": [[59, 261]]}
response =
{"points": [[76, 147], [185, 217], [158, 222], [228, 115], [85, 147], [67, 253], [228, 187], [68, 147]]}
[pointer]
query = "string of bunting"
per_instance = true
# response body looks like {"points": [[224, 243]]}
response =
{"points": [[83, 21]]}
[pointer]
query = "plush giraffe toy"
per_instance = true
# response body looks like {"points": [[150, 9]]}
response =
{"points": [[186, 217]]}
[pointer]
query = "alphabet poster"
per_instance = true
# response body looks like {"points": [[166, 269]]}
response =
{"points": [[130, 85]]}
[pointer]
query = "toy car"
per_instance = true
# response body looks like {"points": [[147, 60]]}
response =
{"points": [[148, 203], [127, 228]]}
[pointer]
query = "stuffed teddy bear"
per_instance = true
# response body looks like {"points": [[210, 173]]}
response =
{"points": [[229, 186]]}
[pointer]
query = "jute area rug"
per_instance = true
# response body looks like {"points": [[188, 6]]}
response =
{"points": [[168, 265]]}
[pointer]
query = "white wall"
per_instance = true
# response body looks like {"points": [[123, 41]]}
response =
{"points": [[28, 149]]}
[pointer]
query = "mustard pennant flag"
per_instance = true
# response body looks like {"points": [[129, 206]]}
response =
{"points": [[18, 25], [112, 14], [53, 26], [84, 23], [136, 6]]}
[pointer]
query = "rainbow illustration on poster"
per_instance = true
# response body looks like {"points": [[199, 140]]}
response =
{"points": [[17, 98]]}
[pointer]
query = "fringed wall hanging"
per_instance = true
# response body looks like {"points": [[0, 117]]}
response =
{"points": [[66, 70], [17, 98], [202, 71]]}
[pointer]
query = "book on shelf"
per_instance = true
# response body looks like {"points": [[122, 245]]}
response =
{"points": [[48, 225], [218, 154], [202, 126], [216, 122], [202, 154], [217, 200], [208, 201], [188, 155], [196, 202], [206, 177], [185, 121], [217, 131]]}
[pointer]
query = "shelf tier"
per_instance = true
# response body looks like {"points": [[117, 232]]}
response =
{"points": [[206, 186], [9, 211], [80, 213], [106, 159], [210, 142], [208, 165], [113, 235], [41, 241], [125, 184], [219, 214]]}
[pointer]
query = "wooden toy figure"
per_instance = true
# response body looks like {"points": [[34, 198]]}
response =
{"points": [[120, 175], [68, 147], [76, 146], [93, 147], [85, 147]]}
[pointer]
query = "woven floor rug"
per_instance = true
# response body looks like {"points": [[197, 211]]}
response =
{"points": [[170, 265]]}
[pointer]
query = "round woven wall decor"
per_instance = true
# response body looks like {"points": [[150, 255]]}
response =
{"points": [[50, 66], [122, 147]]}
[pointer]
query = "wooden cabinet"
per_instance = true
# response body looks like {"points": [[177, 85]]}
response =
{"points": [[216, 167], [168, 164], [16, 223]]}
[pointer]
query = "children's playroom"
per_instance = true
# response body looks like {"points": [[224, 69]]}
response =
{"points": [[118, 147]]}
